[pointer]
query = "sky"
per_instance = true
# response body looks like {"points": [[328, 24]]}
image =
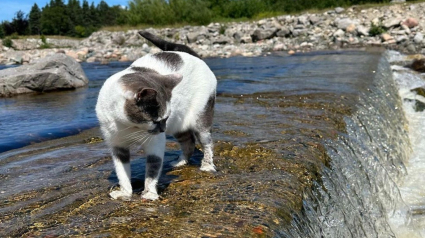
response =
{"points": [[8, 8]]}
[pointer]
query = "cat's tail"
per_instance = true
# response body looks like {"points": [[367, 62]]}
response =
{"points": [[165, 45]]}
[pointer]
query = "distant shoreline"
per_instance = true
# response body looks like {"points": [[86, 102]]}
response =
{"points": [[399, 27]]}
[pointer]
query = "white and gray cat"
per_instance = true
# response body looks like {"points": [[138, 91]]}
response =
{"points": [[171, 92]]}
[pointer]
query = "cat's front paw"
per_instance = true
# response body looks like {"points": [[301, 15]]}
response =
{"points": [[122, 195], [179, 162], [150, 196], [207, 167]]}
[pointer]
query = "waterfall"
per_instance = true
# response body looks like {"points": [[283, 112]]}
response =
{"points": [[359, 194]]}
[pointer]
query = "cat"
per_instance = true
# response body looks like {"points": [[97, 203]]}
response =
{"points": [[171, 92]]}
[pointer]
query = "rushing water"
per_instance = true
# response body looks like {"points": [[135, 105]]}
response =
{"points": [[372, 186], [367, 191]]}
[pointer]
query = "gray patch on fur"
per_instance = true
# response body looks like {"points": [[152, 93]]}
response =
{"points": [[122, 154], [172, 60], [152, 109], [153, 166], [143, 70], [187, 142], [206, 119]]}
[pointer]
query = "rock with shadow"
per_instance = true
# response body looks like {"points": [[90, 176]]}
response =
{"points": [[52, 73]]}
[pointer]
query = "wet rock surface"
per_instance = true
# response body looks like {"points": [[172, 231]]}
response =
{"points": [[268, 152]]}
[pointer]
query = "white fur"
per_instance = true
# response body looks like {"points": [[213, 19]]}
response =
{"points": [[188, 101]]}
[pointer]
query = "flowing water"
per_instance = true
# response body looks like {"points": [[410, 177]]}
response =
{"points": [[325, 144], [367, 191]]}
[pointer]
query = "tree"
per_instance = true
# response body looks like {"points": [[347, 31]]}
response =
{"points": [[2, 34], [95, 22], [34, 20], [75, 12], [155, 12], [54, 20], [20, 23]]}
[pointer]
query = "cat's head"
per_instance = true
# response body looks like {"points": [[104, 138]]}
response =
{"points": [[148, 97]]}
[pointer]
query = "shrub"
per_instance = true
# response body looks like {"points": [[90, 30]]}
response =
{"points": [[376, 29], [191, 11], [8, 42], [80, 31], [222, 29], [154, 12], [44, 44], [14, 36]]}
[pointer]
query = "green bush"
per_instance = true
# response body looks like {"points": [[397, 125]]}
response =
{"points": [[376, 29], [191, 11], [14, 36], [8, 42], [153, 12], [44, 44], [80, 31]]}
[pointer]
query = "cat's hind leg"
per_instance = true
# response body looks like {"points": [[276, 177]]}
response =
{"points": [[187, 145], [154, 149], [203, 134], [206, 141], [121, 159]]}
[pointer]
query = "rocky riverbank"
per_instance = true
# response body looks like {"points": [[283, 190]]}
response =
{"points": [[399, 26]]}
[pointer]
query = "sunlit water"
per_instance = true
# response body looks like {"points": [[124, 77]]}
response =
{"points": [[374, 186], [409, 219], [37, 117]]}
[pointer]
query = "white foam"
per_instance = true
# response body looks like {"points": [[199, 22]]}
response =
{"points": [[408, 221]]}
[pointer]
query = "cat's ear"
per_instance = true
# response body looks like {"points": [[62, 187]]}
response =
{"points": [[171, 80], [145, 94]]}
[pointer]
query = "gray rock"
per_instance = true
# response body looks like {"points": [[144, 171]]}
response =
{"points": [[419, 38], [339, 33], [303, 20], [299, 32], [262, 34], [192, 37], [339, 10], [56, 72], [390, 23], [315, 20], [344, 23], [221, 40], [283, 32], [362, 30]]}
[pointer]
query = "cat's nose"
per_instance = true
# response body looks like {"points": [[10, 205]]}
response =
{"points": [[162, 125]]}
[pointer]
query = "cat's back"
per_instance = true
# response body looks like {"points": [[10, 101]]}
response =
{"points": [[167, 62]]}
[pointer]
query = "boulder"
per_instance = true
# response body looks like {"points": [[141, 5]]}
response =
{"points": [[262, 34], [344, 23], [419, 38], [411, 22], [362, 30], [339, 10], [56, 72], [392, 22], [386, 37], [419, 65]]}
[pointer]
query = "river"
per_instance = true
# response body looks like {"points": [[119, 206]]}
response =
{"points": [[323, 144]]}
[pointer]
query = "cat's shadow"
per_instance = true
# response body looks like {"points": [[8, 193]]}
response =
{"points": [[138, 167]]}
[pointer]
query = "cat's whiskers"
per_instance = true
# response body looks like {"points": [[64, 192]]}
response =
{"points": [[137, 137]]}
